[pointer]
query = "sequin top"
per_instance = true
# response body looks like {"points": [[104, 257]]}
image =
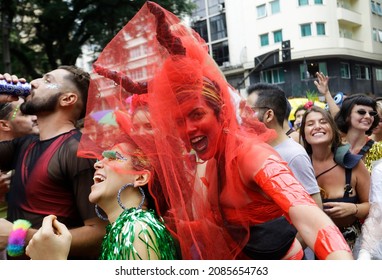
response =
{"points": [[137, 226], [375, 153]]}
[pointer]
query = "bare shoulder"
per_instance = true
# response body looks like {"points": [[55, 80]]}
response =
{"points": [[145, 241]]}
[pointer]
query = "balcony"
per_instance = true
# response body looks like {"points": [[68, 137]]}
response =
{"points": [[348, 17]]}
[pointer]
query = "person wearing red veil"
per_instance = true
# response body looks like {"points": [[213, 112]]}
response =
{"points": [[247, 203]]}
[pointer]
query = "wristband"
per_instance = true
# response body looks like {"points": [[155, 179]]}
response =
{"points": [[16, 239], [329, 240]]}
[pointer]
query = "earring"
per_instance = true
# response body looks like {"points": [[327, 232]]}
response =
{"points": [[126, 186], [225, 127], [99, 214]]}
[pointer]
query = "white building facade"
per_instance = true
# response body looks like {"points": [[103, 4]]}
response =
{"points": [[287, 41]]}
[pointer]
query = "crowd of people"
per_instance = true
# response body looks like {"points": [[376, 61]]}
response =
{"points": [[192, 171]]}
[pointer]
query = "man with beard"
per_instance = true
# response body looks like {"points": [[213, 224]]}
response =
{"points": [[49, 177]]}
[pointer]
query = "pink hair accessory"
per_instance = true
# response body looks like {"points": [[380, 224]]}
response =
{"points": [[308, 105]]}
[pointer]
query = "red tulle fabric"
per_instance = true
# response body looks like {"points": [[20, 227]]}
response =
{"points": [[158, 56]]}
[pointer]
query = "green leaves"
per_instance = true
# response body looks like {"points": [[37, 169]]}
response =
{"points": [[45, 34]]}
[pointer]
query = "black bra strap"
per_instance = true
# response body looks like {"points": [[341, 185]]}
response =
{"points": [[327, 170]]}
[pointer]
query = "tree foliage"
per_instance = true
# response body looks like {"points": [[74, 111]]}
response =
{"points": [[43, 34]]}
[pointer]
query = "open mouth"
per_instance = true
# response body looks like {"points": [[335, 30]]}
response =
{"points": [[318, 134], [199, 144], [98, 178]]}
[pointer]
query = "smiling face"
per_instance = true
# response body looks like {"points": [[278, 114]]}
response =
{"points": [[200, 128], [361, 117], [112, 172], [317, 129]]}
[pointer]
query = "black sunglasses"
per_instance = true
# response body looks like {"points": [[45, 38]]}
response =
{"points": [[363, 112]]}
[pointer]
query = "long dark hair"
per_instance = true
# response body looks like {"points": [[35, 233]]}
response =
{"points": [[336, 140]]}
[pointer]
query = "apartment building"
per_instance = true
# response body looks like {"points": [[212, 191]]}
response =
{"points": [[287, 41]]}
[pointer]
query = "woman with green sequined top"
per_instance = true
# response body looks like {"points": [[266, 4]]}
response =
{"points": [[135, 231]]}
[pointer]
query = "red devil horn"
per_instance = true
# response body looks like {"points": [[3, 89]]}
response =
{"points": [[121, 79], [164, 36]]}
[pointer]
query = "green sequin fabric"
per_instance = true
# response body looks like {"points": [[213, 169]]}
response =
{"points": [[374, 153], [137, 226]]}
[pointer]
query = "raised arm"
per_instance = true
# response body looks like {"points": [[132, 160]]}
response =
{"points": [[4, 98], [322, 84]]}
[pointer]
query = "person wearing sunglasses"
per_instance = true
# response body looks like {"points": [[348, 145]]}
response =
{"points": [[356, 120]]}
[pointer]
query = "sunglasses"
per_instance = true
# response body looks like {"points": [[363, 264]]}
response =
{"points": [[371, 113]]}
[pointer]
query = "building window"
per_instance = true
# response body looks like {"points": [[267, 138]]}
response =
{"points": [[309, 69], [374, 7], [220, 52], [320, 26], [215, 6], [135, 52], [138, 74], [379, 9], [378, 74], [200, 8], [303, 2], [218, 27], [277, 36], [375, 34], [275, 7], [380, 35], [273, 76], [306, 30], [345, 70], [318, 2], [201, 28], [362, 72], [261, 11], [264, 40]]}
